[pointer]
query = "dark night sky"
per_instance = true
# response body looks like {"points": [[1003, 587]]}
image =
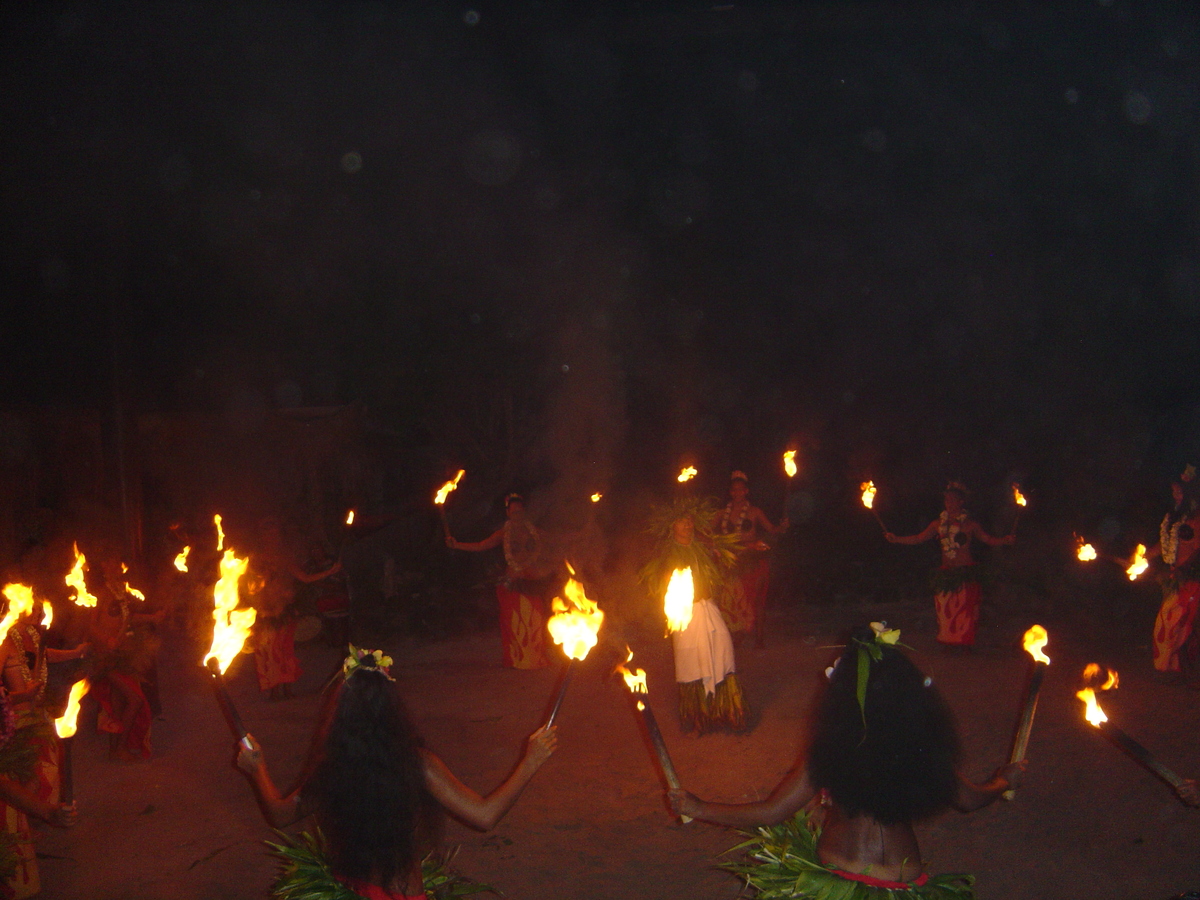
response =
{"points": [[894, 231]]}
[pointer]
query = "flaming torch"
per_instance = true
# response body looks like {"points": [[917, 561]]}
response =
{"points": [[868, 500], [1138, 564], [440, 498], [231, 627], [1034, 644], [64, 726], [575, 627], [20, 603], [1095, 715], [789, 469], [76, 580], [350, 517], [1085, 552], [677, 602], [181, 559], [686, 474], [1019, 499], [220, 532], [596, 497], [47, 614], [636, 682]]}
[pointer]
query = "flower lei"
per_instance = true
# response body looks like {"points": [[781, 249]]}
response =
{"points": [[370, 660], [949, 531], [1168, 539], [510, 553]]}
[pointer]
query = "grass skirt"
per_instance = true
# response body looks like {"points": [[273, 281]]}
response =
{"points": [[722, 710], [783, 863]]}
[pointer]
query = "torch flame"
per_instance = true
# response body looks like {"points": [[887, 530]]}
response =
{"points": [[596, 497], [181, 559], [635, 680], [789, 463], [47, 613], [75, 579], [64, 725], [1086, 552], [1018, 497], [1092, 711], [350, 517], [220, 532], [868, 494], [1035, 642], [20, 603], [132, 591], [576, 622], [440, 497], [687, 473], [1091, 677], [1139, 564], [231, 626], [677, 602]]}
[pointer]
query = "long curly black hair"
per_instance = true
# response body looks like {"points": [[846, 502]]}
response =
{"points": [[366, 782], [900, 766]]}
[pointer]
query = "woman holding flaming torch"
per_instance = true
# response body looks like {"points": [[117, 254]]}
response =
{"points": [[884, 755], [745, 604], [956, 583], [519, 594], [375, 792], [1175, 644]]}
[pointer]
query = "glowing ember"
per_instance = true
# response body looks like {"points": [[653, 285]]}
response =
{"points": [[868, 494], [231, 626], [47, 613], [75, 579], [1092, 711], [220, 532], [596, 497], [350, 517], [20, 603], [1139, 564], [444, 491], [635, 680], [64, 725], [686, 474], [181, 559], [1086, 552], [789, 463], [1035, 642], [677, 603], [576, 620], [1018, 497]]}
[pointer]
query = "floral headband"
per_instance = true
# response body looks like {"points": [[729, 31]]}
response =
{"points": [[370, 660]]}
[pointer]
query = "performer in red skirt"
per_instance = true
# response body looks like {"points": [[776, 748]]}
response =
{"points": [[956, 583], [1175, 644], [744, 605]]}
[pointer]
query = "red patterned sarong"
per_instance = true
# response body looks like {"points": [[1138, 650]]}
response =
{"points": [[275, 654], [958, 614], [522, 629], [137, 739], [1173, 627]]}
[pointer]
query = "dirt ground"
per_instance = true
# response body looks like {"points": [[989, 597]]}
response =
{"points": [[1087, 823]]}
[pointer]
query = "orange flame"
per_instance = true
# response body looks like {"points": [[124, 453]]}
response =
{"points": [[687, 473], [1138, 564], [1086, 552], [75, 579], [181, 559], [220, 532], [789, 463], [64, 725], [1091, 676], [350, 517], [596, 497], [231, 626], [634, 680], [1092, 711], [444, 491], [47, 613], [868, 493], [1035, 642], [677, 602], [1018, 497], [132, 591], [576, 622], [20, 603]]}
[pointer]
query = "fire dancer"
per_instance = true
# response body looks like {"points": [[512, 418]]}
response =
{"points": [[1175, 645], [956, 583], [745, 604], [521, 593], [884, 755], [710, 697], [375, 791]]}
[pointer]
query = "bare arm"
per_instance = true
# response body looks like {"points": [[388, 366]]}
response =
{"points": [[485, 812], [57, 814], [976, 796], [761, 520], [279, 811], [313, 577], [492, 540], [55, 655], [930, 531], [1188, 792], [785, 801], [977, 531]]}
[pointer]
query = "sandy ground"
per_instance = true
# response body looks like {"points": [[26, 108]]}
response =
{"points": [[593, 824]]}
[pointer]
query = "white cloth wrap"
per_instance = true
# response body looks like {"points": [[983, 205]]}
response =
{"points": [[704, 649]]}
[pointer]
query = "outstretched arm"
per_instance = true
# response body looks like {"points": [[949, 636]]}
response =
{"points": [[485, 812], [976, 796], [492, 540], [785, 801], [977, 530], [57, 814], [1188, 792], [279, 811], [930, 531]]}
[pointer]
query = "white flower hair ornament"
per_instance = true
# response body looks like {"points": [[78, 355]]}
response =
{"points": [[368, 660]]}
